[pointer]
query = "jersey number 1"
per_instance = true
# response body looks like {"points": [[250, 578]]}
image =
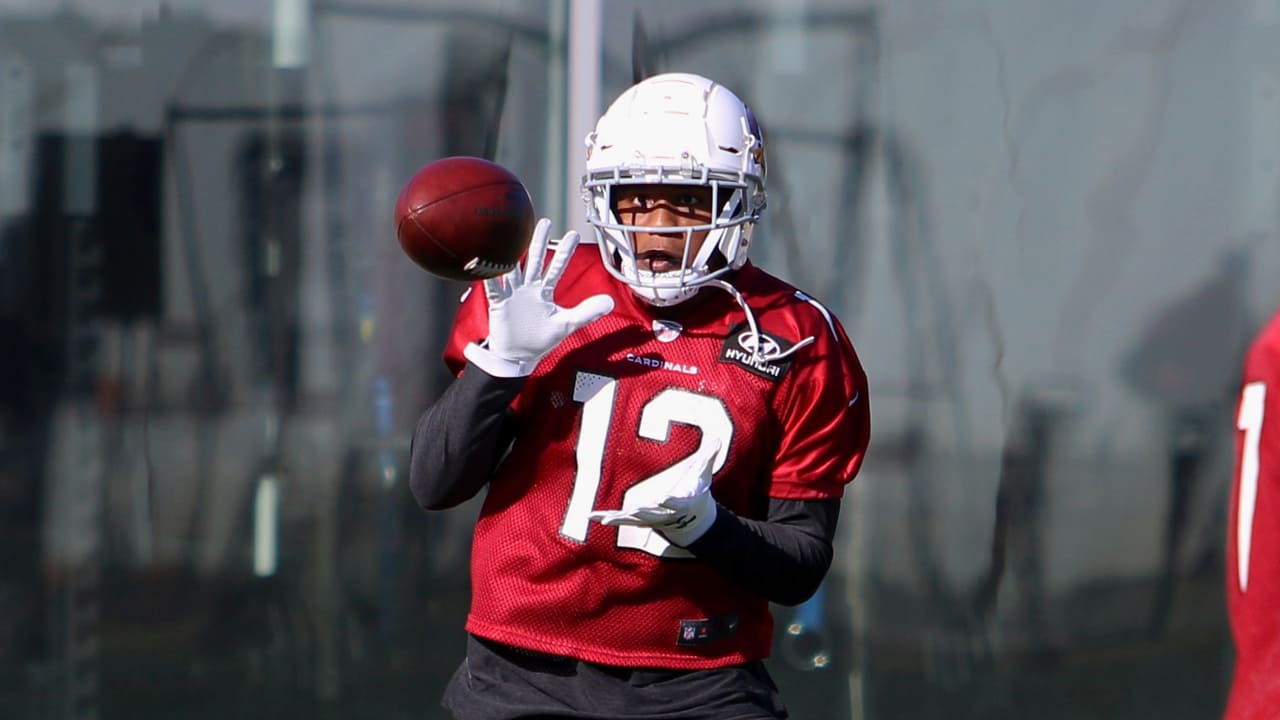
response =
{"points": [[1252, 405], [597, 394]]}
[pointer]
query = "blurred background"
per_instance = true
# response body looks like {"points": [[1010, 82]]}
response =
{"points": [[1047, 227]]}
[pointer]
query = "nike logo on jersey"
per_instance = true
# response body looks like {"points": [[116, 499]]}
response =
{"points": [[758, 355]]}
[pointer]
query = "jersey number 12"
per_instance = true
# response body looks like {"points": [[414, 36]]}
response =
{"points": [[597, 394]]}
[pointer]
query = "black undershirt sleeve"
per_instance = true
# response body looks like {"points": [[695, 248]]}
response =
{"points": [[460, 439], [783, 558]]}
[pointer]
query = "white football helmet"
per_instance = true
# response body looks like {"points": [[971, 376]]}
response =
{"points": [[680, 129]]}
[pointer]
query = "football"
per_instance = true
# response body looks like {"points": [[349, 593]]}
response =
{"points": [[464, 218]]}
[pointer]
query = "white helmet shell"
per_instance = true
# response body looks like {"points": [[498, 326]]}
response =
{"points": [[676, 128]]}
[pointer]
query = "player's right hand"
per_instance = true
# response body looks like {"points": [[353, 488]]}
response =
{"points": [[525, 323]]}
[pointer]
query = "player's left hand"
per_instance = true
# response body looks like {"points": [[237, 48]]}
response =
{"points": [[684, 512], [525, 323]]}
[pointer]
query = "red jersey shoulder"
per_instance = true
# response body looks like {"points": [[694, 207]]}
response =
{"points": [[783, 309], [1263, 360], [777, 303], [823, 409]]}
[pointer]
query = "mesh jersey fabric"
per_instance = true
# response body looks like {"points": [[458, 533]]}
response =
{"points": [[615, 405]]}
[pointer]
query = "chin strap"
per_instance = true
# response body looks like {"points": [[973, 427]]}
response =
{"points": [[756, 355]]}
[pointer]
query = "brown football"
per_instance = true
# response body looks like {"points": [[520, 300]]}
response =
{"points": [[464, 218]]}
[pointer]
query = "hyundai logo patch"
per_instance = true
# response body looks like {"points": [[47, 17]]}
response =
{"points": [[762, 357]]}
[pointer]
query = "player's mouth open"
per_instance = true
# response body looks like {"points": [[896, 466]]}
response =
{"points": [[657, 261]]}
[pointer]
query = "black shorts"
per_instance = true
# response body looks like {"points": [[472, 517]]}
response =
{"points": [[499, 682]]}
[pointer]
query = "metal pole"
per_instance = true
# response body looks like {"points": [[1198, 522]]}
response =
{"points": [[554, 170], [584, 102]]}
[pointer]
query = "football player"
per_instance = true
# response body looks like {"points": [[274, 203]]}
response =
{"points": [[664, 430], [1253, 535]]}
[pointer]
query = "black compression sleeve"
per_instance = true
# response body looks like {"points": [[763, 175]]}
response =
{"points": [[783, 558], [460, 438]]}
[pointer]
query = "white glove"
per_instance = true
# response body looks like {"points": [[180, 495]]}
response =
{"points": [[524, 321], [684, 511]]}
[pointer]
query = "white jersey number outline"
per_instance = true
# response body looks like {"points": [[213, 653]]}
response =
{"points": [[598, 393], [1252, 407]]}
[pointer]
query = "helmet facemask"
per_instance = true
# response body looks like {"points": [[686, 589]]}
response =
{"points": [[723, 250]]}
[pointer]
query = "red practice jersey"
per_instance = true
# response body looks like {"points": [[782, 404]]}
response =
{"points": [[610, 412], [1253, 535]]}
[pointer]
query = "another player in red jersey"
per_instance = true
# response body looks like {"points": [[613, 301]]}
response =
{"points": [[1253, 535], [665, 432]]}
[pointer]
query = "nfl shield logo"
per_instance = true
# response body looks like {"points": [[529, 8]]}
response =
{"points": [[666, 330]]}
